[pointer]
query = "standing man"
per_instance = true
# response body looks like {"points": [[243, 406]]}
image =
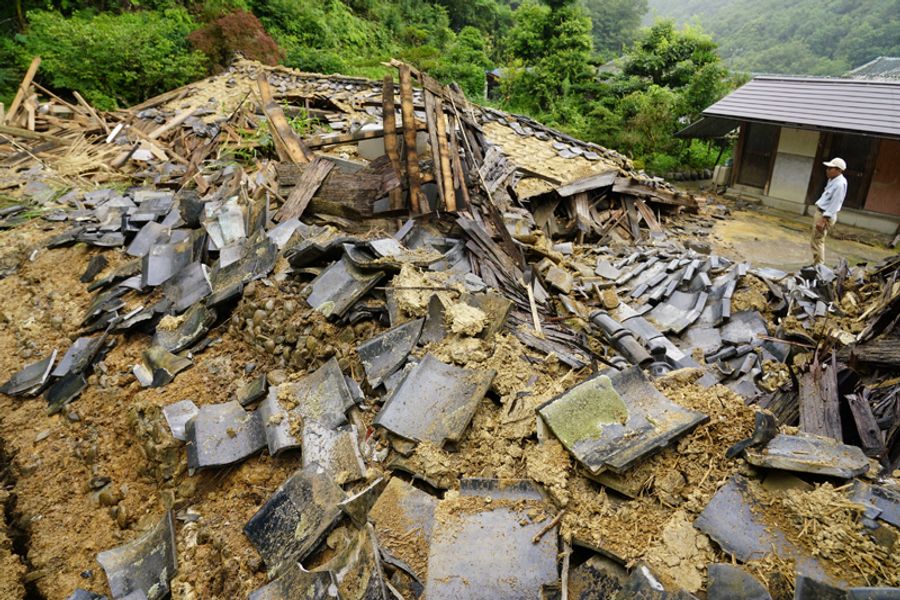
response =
{"points": [[828, 206]]}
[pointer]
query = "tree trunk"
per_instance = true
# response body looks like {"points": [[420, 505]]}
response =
{"points": [[20, 15]]}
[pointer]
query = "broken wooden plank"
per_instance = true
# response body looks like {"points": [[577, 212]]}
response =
{"points": [[313, 176], [322, 141], [648, 216], [177, 120], [431, 124], [870, 435], [391, 142], [287, 144], [582, 212], [22, 92], [634, 219], [459, 177], [444, 155], [409, 138], [90, 109], [586, 184], [819, 410], [32, 135]]}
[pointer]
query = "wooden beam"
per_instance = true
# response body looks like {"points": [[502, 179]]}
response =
{"points": [[409, 138], [32, 135], [391, 142], [309, 183], [444, 155], [869, 432], [459, 176], [175, 122], [22, 92], [287, 144], [323, 140], [586, 184], [431, 124]]}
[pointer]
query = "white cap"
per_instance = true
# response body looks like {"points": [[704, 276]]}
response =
{"points": [[836, 162]]}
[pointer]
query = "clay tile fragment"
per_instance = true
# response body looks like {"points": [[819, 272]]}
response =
{"points": [[223, 434], [31, 379], [435, 402], [145, 565], [611, 421], [295, 518]]}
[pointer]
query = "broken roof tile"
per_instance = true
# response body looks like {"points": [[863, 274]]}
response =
{"points": [[223, 434], [182, 332], [190, 285], [292, 522], [810, 454], [385, 353], [339, 286], [730, 518], [146, 564], [335, 450], [296, 583], [177, 416], [612, 420], [321, 396], [435, 402], [31, 379], [489, 553]]}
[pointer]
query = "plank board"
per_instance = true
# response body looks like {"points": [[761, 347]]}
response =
{"points": [[312, 178], [287, 144]]}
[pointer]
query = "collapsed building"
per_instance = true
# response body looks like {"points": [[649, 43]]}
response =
{"points": [[429, 349]]}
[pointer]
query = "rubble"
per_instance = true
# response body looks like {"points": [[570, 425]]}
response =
{"points": [[433, 349]]}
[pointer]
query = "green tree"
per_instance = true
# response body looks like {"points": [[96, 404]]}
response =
{"points": [[552, 48], [113, 59], [669, 57], [465, 62]]}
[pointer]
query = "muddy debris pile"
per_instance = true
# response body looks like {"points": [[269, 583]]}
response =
{"points": [[279, 335]]}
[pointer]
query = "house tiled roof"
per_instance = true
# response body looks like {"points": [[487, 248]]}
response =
{"points": [[860, 106]]}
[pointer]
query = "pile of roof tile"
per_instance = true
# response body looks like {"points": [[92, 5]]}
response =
{"points": [[449, 228]]}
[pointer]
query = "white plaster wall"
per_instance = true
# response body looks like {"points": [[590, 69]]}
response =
{"points": [[793, 164]]}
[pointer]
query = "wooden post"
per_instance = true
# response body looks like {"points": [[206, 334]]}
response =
{"points": [[459, 176], [391, 143], [23, 89], [409, 138], [433, 141], [444, 153]]}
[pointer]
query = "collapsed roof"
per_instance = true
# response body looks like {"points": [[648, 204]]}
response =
{"points": [[474, 332]]}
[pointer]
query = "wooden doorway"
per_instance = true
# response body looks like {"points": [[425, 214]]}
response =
{"points": [[884, 191], [859, 152], [759, 143]]}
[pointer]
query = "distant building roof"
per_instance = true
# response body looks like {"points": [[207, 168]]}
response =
{"points": [[883, 67], [850, 105]]}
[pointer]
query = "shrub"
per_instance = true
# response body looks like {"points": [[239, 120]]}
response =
{"points": [[239, 31], [113, 59]]}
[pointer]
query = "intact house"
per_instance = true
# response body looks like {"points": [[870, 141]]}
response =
{"points": [[789, 125]]}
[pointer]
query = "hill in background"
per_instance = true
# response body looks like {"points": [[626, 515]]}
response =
{"points": [[813, 37]]}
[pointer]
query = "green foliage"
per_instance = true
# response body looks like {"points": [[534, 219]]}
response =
{"points": [[552, 51], [113, 59], [465, 62], [323, 36], [670, 57], [614, 23], [489, 16], [812, 37]]}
